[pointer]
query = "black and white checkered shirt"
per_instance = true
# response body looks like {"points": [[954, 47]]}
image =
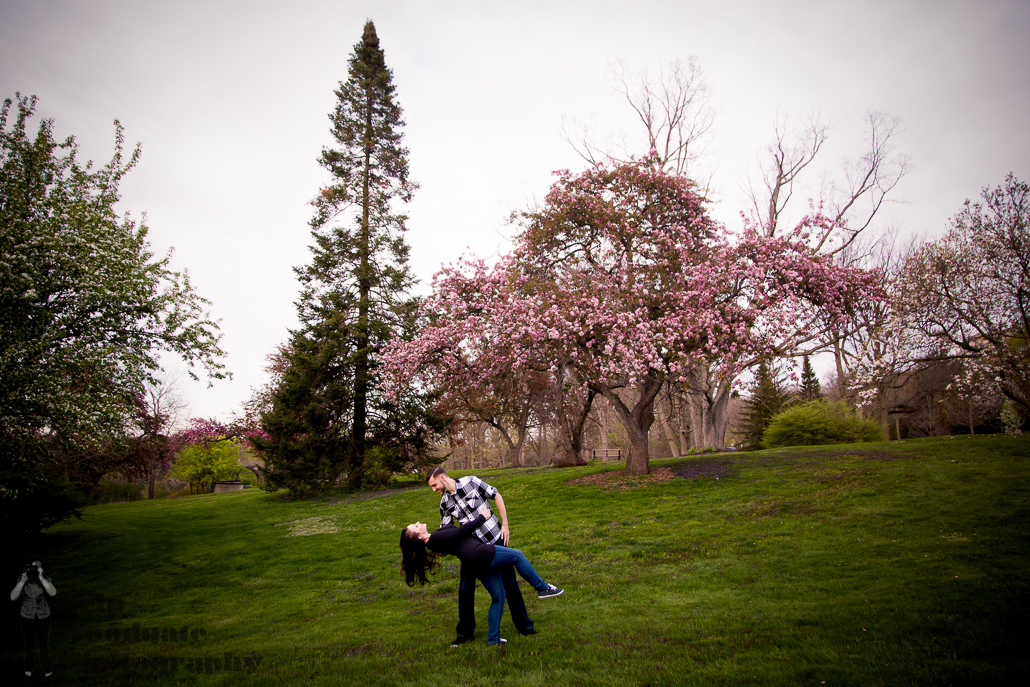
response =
{"points": [[463, 505]]}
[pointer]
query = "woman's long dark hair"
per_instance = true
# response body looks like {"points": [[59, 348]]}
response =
{"points": [[416, 560]]}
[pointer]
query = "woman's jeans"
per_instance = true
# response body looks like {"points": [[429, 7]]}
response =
{"points": [[503, 556]]}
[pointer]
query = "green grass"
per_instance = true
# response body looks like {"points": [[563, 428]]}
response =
{"points": [[869, 564]]}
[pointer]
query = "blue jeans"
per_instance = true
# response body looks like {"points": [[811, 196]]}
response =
{"points": [[467, 603], [503, 558]]}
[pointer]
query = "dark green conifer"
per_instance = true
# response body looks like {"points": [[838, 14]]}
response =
{"points": [[810, 389], [768, 397], [354, 293]]}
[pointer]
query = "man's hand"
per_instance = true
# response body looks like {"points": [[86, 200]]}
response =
{"points": [[504, 534]]}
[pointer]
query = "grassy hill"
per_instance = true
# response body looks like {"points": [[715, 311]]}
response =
{"points": [[888, 563]]}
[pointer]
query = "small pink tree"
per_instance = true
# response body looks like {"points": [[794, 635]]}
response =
{"points": [[458, 355]]}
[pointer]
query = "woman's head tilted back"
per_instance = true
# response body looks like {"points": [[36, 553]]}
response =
{"points": [[416, 561]]}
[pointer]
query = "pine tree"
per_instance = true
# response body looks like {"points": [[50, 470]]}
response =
{"points": [[353, 295], [810, 389], [768, 398]]}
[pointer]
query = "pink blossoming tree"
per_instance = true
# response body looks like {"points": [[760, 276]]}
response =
{"points": [[621, 282]]}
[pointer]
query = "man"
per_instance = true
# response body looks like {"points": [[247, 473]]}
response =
{"points": [[460, 500]]}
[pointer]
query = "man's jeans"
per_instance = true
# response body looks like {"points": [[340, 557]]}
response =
{"points": [[504, 560], [467, 602]]}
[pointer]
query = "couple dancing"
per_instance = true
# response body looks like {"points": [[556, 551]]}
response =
{"points": [[480, 543]]}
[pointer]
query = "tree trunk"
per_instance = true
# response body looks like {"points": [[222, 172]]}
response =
{"points": [[573, 427], [838, 361], [884, 417], [361, 339], [664, 421], [679, 408], [637, 420], [708, 398], [541, 442], [709, 417]]}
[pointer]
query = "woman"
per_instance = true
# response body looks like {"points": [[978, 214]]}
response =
{"points": [[33, 587], [486, 561]]}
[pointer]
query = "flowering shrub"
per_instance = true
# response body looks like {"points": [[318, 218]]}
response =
{"points": [[1011, 419]]}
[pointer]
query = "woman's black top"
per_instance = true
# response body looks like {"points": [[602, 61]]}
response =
{"points": [[462, 542]]}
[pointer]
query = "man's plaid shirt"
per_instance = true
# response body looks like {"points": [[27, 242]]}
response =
{"points": [[463, 505]]}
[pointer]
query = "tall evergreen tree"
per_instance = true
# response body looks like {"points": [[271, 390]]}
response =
{"points": [[810, 388], [768, 397], [353, 294]]}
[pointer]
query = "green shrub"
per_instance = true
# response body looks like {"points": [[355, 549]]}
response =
{"points": [[819, 422]]}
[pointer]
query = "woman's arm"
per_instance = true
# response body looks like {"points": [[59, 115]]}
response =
{"points": [[16, 592], [47, 584]]}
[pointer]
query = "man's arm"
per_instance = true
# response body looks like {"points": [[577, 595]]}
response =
{"points": [[499, 503]]}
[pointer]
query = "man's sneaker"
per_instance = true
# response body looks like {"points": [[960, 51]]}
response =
{"points": [[549, 592], [499, 642]]}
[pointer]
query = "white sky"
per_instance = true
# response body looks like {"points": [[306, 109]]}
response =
{"points": [[230, 101]]}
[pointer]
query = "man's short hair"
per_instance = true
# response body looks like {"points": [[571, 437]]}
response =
{"points": [[438, 471]]}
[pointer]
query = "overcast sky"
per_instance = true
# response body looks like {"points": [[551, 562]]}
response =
{"points": [[230, 102]]}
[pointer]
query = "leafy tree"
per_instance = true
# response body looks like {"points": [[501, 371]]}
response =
{"points": [[810, 388], [768, 398], [330, 413], [205, 463], [85, 308], [139, 453], [968, 292]]}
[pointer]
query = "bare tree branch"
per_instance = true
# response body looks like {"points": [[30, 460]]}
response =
{"points": [[674, 108], [787, 157]]}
